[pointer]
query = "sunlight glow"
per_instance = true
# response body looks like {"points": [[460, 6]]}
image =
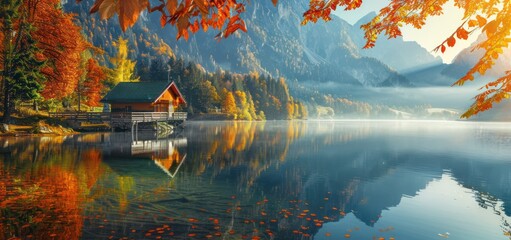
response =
{"points": [[437, 28]]}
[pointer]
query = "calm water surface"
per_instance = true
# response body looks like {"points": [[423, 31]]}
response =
{"points": [[273, 180]]}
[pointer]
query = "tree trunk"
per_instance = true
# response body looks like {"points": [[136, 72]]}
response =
{"points": [[35, 106], [7, 103], [79, 98]]}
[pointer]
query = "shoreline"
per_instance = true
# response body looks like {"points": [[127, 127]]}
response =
{"points": [[41, 128]]}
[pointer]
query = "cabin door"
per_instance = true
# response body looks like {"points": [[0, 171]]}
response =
{"points": [[171, 107]]}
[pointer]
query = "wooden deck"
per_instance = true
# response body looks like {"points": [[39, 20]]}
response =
{"points": [[118, 119]]}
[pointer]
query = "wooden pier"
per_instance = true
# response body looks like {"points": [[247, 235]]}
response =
{"points": [[122, 120]]}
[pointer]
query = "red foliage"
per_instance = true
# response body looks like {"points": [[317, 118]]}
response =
{"points": [[61, 42], [93, 83]]}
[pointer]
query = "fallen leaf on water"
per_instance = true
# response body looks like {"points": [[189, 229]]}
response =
{"points": [[328, 234], [347, 235], [444, 235]]}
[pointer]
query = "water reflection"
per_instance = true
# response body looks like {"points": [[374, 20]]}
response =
{"points": [[282, 180]]}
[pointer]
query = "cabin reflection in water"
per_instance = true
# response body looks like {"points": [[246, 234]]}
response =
{"points": [[128, 156]]}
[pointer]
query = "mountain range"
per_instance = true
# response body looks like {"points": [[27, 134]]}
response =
{"points": [[276, 44]]}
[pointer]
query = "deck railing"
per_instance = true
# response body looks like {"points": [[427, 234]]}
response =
{"points": [[119, 117]]}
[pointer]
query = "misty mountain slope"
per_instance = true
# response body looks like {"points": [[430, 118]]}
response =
{"points": [[275, 44], [469, 56], [431, 76], [403, 56]]}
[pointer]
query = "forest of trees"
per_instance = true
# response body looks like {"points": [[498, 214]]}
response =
{"points": [[240, 96], [490, 17], [44, 56], [61, 70], [46, 59]]}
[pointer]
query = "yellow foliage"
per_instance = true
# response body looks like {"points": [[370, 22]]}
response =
{"points": [[228, 103], [124, 67]]}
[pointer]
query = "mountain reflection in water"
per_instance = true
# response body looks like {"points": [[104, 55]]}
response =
{"points": [[262, 180]]}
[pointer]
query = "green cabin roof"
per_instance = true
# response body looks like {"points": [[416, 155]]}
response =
{"points": [[137, 92]]}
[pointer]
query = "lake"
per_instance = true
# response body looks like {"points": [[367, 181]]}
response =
{"points": [[262, 180]]}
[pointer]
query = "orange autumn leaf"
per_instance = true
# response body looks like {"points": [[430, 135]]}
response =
{"points": [[462, 34], [481, 20], [451, 42]]}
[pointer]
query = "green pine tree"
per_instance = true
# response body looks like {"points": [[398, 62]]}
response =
{"points": [[21, 74]]}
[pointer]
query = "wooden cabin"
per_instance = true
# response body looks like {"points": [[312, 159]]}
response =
{"points": [[144, 97]]}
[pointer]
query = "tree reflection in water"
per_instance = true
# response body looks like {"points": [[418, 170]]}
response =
{"points": [[285, 180]]}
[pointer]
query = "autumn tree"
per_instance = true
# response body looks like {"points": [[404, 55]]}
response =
{"points": [[242, 108], [492, 17], [228, 103], [124, 68], [93, 83], [290, 110], [61, 43]]}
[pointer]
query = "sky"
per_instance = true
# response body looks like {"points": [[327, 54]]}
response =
{"points": [[437, 28]]}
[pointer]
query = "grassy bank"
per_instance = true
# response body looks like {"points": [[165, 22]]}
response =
{"points": [[37, 123]]}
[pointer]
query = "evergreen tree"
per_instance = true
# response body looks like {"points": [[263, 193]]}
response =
{"points": [[21, 73]]}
